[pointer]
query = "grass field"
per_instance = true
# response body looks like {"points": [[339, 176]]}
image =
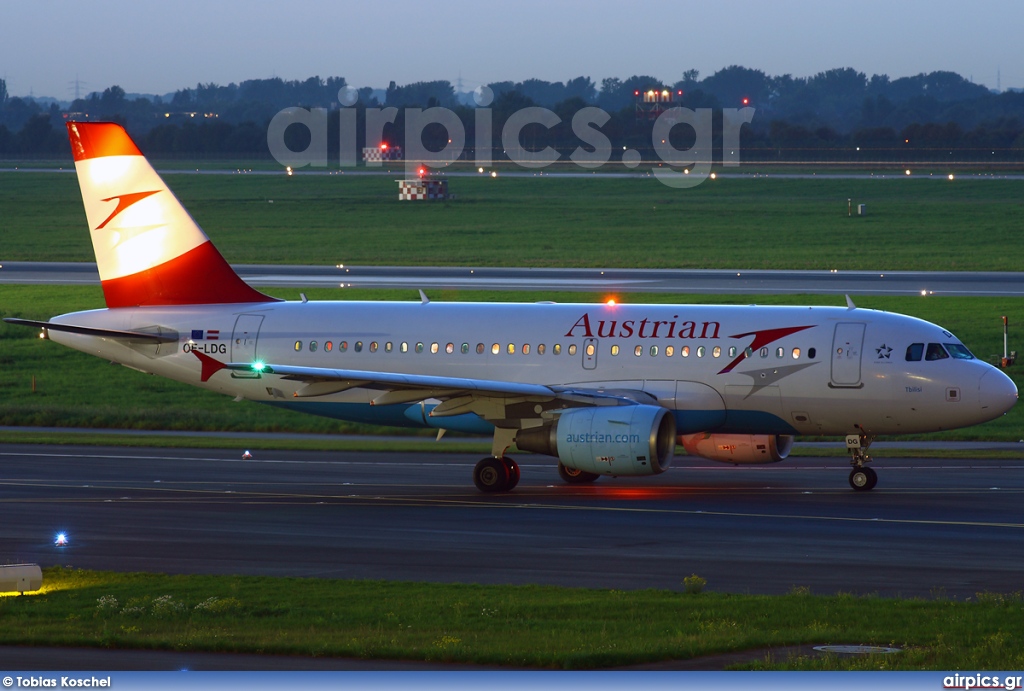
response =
{"points": [[74, 389], [919, 223], [521, 626]]}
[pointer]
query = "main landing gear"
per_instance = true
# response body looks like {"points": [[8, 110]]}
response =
{"points": [[497, 472], [574, 476], [861, 479]]}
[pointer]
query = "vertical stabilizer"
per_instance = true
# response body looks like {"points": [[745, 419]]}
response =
{"points": [[148, 249]]}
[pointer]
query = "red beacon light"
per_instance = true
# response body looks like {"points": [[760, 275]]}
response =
{"points": [[383, 146], [746, 101], [422, 171]]}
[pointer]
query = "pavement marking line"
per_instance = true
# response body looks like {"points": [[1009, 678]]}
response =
{"points": [[269, 497]]}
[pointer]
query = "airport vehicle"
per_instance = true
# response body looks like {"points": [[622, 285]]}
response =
{"points": [[609, 389]]}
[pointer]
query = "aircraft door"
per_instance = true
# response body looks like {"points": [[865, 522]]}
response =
{"points": [[590, 353], [243, 342], [846, 351]]}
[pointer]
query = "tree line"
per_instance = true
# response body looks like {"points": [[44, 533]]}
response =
{"points": [[936, 116]]}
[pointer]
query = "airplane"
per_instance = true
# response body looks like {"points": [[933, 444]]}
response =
{"points": [[609, 389]]}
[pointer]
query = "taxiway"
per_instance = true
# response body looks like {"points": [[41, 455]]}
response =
{"points": [[931, 527]]}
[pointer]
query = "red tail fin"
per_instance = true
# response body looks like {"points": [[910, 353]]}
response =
{"points": [[148, 249]]}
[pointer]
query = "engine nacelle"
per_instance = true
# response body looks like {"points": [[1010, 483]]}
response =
{"points": [[747, 449], [619, 440]]}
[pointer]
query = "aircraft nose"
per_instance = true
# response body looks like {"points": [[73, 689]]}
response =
{"points": [[997, 392]]}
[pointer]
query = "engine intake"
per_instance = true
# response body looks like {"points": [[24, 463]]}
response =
{"points": [[748, 449], [620, 440]]}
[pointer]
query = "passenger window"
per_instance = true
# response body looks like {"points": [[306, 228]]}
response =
{"points": [[495, 349], [935, 352], [465, 348], [540, 349], [556, 349], [387, 347], [450, 348], [526, 349], [638, 351], [312, 346], [404, 348], [915, 351], [433, 348], [572, 349], [748, 352], [780, 352], [670, 351], [732, 351], [298, 346], [796, 353], [342, 346], [358, 347], [590, 349], [763, 352], [373, 347], [700, 351], [328, 346], [654, 350], [615, 350], [479, 348], [811, 352], [685, 351], [419, 346], [511, 348], [717, 352]]}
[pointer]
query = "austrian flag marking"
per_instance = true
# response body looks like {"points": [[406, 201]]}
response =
{"points": [[208, 335]]}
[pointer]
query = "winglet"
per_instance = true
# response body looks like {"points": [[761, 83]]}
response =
{"points": [[849, 303], [423, 298]]}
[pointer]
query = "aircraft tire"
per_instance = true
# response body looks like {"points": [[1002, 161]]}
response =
{"points": [[491, 475], [574, 476], [863, 479], [513, 472]]}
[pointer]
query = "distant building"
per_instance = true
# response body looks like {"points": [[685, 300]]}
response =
{"points": [[654, 101]]}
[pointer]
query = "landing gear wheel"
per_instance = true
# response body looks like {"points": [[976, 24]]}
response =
{"points": [[513, 471], [491, 475], [863, 479], [574, 476]]}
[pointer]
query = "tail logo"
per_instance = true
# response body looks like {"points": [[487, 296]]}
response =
{"points": [[123, 202]]}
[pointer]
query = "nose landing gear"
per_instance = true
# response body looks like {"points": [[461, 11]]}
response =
{"points": [[861, 479]]}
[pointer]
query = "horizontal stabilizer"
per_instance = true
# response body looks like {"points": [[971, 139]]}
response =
{"points": [[92, 331]]}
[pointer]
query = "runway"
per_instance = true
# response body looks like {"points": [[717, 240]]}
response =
{"points": [[690, 281], [931, 527]]}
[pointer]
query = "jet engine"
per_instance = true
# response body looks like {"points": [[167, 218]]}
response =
{"points": [[620, 440], [746, 449]]}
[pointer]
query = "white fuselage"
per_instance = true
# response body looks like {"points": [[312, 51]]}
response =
{"points": [[742, 369]]}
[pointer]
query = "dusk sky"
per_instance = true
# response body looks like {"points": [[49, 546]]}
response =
{"points": [[160, 47]]}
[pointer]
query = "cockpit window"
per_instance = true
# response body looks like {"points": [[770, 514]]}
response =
{"points": [[915, 351], [959, 351], [936, 352]]}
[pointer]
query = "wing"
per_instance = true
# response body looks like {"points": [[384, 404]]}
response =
{"points": [[491, 399]]}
